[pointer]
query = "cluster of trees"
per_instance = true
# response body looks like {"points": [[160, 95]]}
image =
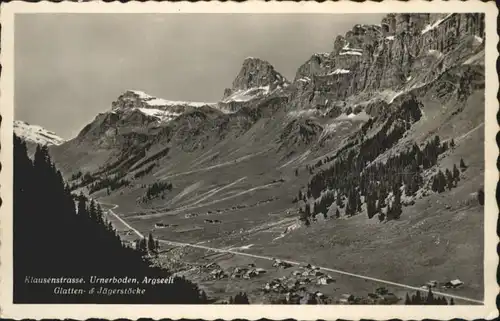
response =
{"points": [[240, 298], [152, 158], [84, 179], [145, 171], [148, 246], [109, 183], [448, 179], [128, 157], [155, 189], [430, 299], [117, 170], [57, 234], [352, 180], [76, 175]]}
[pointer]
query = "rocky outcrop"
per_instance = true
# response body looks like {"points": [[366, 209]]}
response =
{"points": [[256, 73], [404, 50], [256, 80]]}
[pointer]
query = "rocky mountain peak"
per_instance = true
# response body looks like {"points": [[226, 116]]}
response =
{"points": [[256, 73]]}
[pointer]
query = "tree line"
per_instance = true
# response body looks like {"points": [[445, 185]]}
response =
{"points": [[430, 299]]}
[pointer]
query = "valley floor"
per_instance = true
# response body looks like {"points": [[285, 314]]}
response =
{"points": [[434, 240]]}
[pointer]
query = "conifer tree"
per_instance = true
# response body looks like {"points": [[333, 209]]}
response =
{"points": [[444, 147], [203, 297], [430, 297], [452, 143], [407, 299], [480, 196], [441, 182], [463, 167], [371, 209], [151, 243], [449, 179], [456, 173], [358, 201], [339, 201], [396, 209], [418, 299]]}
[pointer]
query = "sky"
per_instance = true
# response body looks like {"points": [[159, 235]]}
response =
{"points": [[70, 67]]}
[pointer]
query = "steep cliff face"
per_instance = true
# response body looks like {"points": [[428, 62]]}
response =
{"points": [[256, 73], [371, 59], [256, 79]]}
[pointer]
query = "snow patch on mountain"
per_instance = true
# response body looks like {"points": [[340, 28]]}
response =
{"points": [[247, 94], [339, 71], [162, 115], [36, 134], [362, 116], [352, 53], [155, 102], [435, 24], [304, 79]]}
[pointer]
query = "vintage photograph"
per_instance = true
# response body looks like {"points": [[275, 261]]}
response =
{"points": [[291, 158]]}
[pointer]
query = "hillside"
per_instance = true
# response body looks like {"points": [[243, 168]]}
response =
{"points": [[60, 236], [370, 160]]}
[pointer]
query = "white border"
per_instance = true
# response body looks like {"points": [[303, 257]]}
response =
{"points": [[252, 312]]}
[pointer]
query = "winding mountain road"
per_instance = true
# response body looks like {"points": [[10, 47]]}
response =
{"points": [[364, 277]]}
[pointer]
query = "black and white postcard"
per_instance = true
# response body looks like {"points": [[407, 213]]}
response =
{"points": [[319, 160]]}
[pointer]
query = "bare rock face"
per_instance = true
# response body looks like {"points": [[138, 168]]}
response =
{"points": [[405, 49], [256, 81], [256, 72]]}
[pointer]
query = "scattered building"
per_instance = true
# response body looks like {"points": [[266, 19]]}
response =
{"points": [[324, 280], [454, 284], [260, 270], [346, 299], [281, 264]]}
